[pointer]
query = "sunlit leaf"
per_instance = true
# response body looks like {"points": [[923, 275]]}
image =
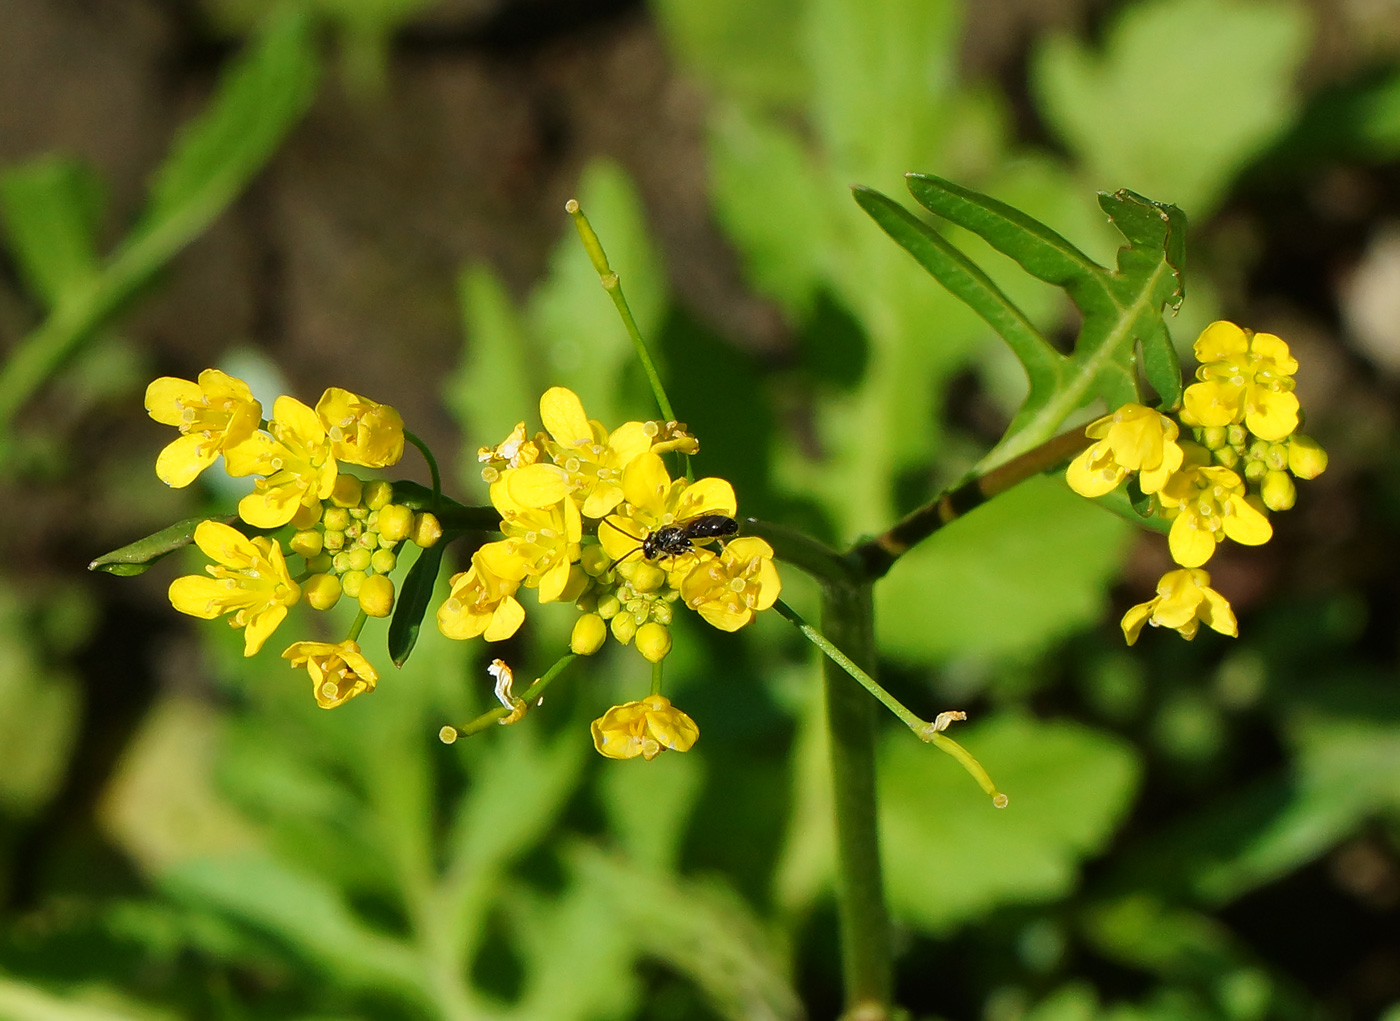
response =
{"points": [[949, 855], [1183, 94]]}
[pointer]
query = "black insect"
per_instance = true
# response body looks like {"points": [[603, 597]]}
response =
{"points": [[680, 538]]}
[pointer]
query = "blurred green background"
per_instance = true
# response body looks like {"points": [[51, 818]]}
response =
{"points": [[369, 194]]}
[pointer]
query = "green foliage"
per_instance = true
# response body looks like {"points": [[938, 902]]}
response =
{"points": [[1184, 94], [259, 100], [1069, 786]]}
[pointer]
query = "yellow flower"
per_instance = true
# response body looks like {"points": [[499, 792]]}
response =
{"points": [[361, 431], [645, 728], [1245, 377], [515, 451], [1210, 505], [338, 670], [1133, 438], [729, 589], [592, 458], [481, 603], [296, 460], [251, 582], [214, 414], [653, 500], [540, 543], [1184, 601]]}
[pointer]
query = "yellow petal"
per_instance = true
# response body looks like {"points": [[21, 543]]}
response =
{"points": [[261, 627], [290, 415], [706, 496], [619, 536], [1245, 524], [645, 482], [1212, 403], [1216, 613], [1190, 546], [1220, 340], [505, 621], [1272, 416], [165, 395], [537, 485], [198, 595], [723, 616], [225, 544], [184, 458], [552, 582], [1089, 478], [628, 441], [1134, 619], [602, 501], [562, 414], [271, 508], [1275, 349]]}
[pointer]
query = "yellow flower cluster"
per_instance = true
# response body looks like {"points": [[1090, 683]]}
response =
{"points": [[592, 516], [346, 530], [1222, 483]]}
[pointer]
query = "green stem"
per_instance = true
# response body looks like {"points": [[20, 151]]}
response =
{"points": [[656, 671], [613, 285], [894, 705], [357, 626], [876, 556], [532, 694], [866, 961], [432, 466]]}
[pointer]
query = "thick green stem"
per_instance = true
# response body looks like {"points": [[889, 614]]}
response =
{"points": [[848, 619]]}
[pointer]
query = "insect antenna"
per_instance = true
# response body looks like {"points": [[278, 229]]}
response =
{"points": [[641, 543]]}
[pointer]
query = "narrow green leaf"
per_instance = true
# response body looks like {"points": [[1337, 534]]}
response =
{"points": [[137, 557], [1040, 251], [50, 208], [965, 280], [415, 594], [259, 100]]}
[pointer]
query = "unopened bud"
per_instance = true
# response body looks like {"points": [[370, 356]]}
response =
{"points": [[351, 581], [589, 634], [623, 627], [307, 544], [336, 519], [321, 591], [1278, 491], [395, 522], [647, 577], [377, 596], [383, 561], [609, 606], [377, 494], [347, 491], [1306, 459], [653, 641], [427, 530]]}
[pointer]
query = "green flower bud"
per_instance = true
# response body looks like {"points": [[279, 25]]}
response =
{"points": [[342, 562], [377, 494], [609, 606], [383, 561], [322, 564], [1212, 437], [1255, 470], [395, 522], [662, 612], [347, 491], [623, 627], [1227, 457], [427, 530], [647, 577], [376, 596], [1278, 491], [321, 591], [307, 544], [359, 559], [589, 634], [335, 519], [1306, 459], [1277, 457], [594, 559], [653, 641], [351, 581]]}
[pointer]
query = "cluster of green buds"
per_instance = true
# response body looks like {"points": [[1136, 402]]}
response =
{"points": [[349, 544]]}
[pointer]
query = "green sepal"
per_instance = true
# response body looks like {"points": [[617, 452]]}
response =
{"points": [[415, 594], [137, 557]]}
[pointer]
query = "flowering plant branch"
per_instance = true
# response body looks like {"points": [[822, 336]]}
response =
{"points": [[591, 515]]}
